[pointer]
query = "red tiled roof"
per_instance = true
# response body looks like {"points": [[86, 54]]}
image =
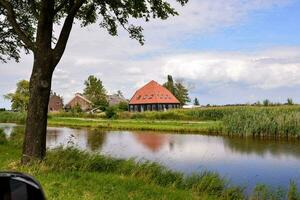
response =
{"points": [[153, 93]]}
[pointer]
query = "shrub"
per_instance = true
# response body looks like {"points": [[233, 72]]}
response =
{"points": [[123, 106], [111, 112]]}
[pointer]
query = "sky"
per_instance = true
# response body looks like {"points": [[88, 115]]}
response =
{"points": [[226, 52]]}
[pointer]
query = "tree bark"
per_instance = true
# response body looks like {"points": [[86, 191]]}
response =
{"points": [[34, 146]]}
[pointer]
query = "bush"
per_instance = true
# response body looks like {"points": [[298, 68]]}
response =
{"points": [[111, 112], [123, 106]]}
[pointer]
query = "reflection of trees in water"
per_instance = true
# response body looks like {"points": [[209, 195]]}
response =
{"points": [[96, 138], [262, 146], [52, 135], [151, 140]]}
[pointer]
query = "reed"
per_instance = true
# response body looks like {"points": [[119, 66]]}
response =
{"points": [[12, 117], [263, 122]]}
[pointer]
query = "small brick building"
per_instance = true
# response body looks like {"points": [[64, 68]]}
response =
{"points": [[153, 97], [81, 101], [55, 103]]}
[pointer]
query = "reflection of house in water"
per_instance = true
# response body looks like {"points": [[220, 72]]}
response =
{"points": [[95, 139], [152, 141]]}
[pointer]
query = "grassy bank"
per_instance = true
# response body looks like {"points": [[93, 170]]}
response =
{"points": [[256, 121], [73, 174], [208, 127]]}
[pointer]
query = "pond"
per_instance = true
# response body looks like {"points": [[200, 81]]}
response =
{"points": [[244, 161]]}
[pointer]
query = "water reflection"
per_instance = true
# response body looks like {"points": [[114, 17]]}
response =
{"points": [[244, 161], [152, 141], [95, 139], [262, 147]]}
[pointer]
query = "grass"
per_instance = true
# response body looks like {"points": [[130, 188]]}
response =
{"points": [[208, 127], [73, 174], [263, 122], [255, 121]]}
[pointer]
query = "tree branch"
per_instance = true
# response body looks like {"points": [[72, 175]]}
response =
{"points": [[11, 17], [33, 8], [65, 32], [59, 7]]}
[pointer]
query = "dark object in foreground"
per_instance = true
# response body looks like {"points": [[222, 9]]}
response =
{"points": [[18, 186]]}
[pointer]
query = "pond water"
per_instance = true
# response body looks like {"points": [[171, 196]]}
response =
{"points": [[244, 161]]}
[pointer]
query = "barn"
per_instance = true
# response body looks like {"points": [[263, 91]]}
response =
{"points": [[81, 101], [153, 97]]}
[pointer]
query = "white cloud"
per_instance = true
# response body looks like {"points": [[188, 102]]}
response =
{"points": [[123, 64], [265, 69]]}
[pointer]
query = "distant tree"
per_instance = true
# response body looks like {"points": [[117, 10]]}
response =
{"points": [[95, 92], [170, 85], [181, 93], [20, 98], [266, 102], [178, 90], [120, 93], [258, 103], [196, 102], [290, 101]]}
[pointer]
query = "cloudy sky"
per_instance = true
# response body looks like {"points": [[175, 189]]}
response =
{"points": [[233, 51]]}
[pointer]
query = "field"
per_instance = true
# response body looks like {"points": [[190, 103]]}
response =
{"points": [[72, 174]]}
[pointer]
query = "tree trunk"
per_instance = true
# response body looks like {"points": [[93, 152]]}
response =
{"points": [[34, 147]]}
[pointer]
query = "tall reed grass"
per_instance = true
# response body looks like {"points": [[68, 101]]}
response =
{"points": [[205, 184], [12, 117], [263, 122]]}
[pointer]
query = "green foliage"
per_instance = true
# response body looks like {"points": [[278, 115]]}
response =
{"points": [[178, 90], [113, 14], [12, 117], [267, 102], [196, 102], [264, 122], [170, 85], [111, 112], [123, 106], [3, 139], [20, 98], [76, 109], [95, 92], [290, 102], [182, 93], [293, 193], [206, 183], [263, 192]]}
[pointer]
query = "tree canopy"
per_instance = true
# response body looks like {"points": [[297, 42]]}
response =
{"points": [[29, 25], [178, 90], [24, 23], [196, 102], [20, 98], [95, 92]]}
